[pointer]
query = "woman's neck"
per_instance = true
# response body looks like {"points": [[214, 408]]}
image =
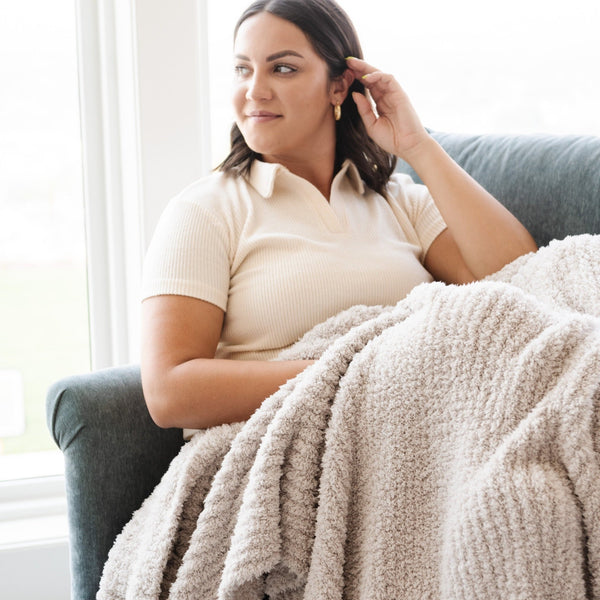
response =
{"points": [[318, 170]]}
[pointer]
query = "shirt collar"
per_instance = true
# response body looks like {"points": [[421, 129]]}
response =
{"points": [[349, 170], [263, 175]]}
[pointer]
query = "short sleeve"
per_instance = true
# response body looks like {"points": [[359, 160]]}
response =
{"points": [[189, 254], [415, 209]]}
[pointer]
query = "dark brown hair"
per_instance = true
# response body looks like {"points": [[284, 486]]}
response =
{"points": [[333, 37]]}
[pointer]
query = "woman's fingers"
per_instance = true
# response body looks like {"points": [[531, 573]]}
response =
{"points": [[365, 109], [359, 66], [378, 83], [368, 74], [392, 122]]}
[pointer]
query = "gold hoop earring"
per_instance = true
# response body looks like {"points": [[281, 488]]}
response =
{"points": [[337, 112]]}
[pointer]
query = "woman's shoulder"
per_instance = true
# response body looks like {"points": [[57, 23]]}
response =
{"points": [[214, 191], [410, 195], [412, 200], [403, 182], [217, 199]]}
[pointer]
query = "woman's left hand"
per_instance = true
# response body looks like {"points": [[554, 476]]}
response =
{"points": [[396, 126]]}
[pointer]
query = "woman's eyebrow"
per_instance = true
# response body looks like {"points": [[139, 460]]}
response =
{"points": [[273, 57], [283, 53]]}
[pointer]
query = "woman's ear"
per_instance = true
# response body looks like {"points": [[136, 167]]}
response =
{"points": [[340, 86]]}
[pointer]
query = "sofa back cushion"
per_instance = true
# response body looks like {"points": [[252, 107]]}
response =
{"points": [[551, 183]]}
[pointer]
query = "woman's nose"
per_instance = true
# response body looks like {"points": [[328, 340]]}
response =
{"points": [[258, 88]]}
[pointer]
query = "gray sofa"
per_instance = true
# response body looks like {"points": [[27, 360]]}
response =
{"points": [[114, 453]]}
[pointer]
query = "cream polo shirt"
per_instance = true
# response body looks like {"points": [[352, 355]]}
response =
{"points": [[278, 258]]}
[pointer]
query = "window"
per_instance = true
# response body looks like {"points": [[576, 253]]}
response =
{"points": [[143, 136], [43, 283], [43, 297]]}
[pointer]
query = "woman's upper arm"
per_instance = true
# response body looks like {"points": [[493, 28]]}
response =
{"points": [[445, 262], [175, 330]]}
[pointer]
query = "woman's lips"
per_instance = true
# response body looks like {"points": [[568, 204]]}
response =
{"points": [[262, 116]]}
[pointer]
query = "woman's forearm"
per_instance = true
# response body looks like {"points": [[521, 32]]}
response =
{"points": [[205, 392], [487, 234]]}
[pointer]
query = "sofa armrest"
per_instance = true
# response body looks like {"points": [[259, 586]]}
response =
{"points": [[114, 456]]}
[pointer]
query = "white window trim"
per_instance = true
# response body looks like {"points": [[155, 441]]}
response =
{"points": [[144, 102], [146, 134]]}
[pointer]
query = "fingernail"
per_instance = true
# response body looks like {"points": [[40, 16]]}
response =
{"points": [[350, 57]]}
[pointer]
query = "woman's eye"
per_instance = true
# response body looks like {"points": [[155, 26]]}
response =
{"points": [[241, 70], [284, 69]]}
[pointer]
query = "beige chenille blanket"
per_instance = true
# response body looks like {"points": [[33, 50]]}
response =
{"points": [[443, 448]]}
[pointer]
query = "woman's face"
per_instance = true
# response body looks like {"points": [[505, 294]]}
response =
{"points": [[282, 93]]}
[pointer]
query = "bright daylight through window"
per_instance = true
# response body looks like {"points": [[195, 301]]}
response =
{"points": [[43, 298]]}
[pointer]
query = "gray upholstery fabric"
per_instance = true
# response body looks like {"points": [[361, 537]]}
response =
{"points": [[115, 455], [551, 183]]}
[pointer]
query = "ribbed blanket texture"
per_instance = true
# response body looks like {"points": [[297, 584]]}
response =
{"points": [[443, 448]]}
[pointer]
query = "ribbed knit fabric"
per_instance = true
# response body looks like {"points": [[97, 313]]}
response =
{"points": [[444, 448], [279, 259]]}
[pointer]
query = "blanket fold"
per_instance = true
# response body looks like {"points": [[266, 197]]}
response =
{"points": [[445, 447]]}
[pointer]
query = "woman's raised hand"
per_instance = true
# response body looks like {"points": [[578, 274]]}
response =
{"points": [[395, 126]]}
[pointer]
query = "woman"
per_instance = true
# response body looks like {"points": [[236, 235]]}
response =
{"points": [[304, 219]]}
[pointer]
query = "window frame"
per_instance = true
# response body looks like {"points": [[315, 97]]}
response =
{"points": [[146, 134]]}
